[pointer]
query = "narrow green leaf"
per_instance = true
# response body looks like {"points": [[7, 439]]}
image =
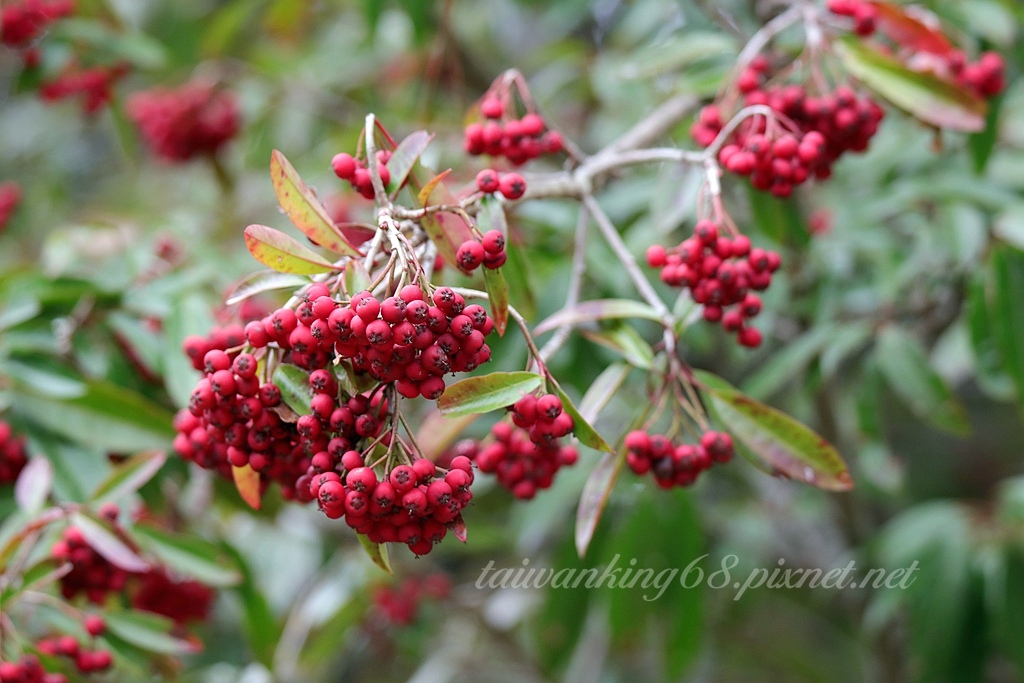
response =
{"points": [[626, 341], [247, 481], [19, 311], [378, 552], [105, 540], [581, 428], [150, 632], [779, 219], [42, 573], [294, 385], [1007, 314], [594, 498], [188, 555], [304, 209], [602, 389], [497, 294], [33, 485], [988, 363], [44, 376], [106, 416], [906, 369], [599, 309], [356, 278], [262, 629], [404, 158], [283, 253], [789, 363], [129, 476], [788, 448], [264, 281], [923, 95], [983, 143], [486, 393]]}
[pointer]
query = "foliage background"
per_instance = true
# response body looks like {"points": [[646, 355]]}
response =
{"points": [[898, 333]]}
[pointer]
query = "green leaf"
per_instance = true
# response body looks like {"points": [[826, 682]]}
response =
{"points": [[105, 540], [788, 448], [264, 281], [378, 552], [925, 96], [983, 143], [190, 315], [294, 385], [33, 485], [129, 476], [446, 230], [304, 209], [44, 376], [150, 632], [905, 367], [789, 363], [594, 498], [42, 573], [428, 189], [598, 309], [188, 555], [487, 392], [106, 416], [601, 390], [356, 278], [247, 481], [404, 158], [779, 219], [1007, 314], [283, 253], [262, 628], [19, 311], [581, 428], [626, 341], [497, 294], [1006, 604], [988, 363]]}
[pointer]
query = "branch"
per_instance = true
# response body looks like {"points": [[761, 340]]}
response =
{"points": [[572, 297]]}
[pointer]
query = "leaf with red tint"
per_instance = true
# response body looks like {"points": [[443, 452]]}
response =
{"points": [[283, 253], [909, 31]]}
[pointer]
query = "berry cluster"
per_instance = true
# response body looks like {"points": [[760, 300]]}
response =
{"points": [[354, 170], [412, 504], [399, 605], [488, 251], [85, 660], [219, 339], [719, 272], [12, 454], [182, 123], [405, 339], [28, 669], [802, 140], [512, 186], [230, 420], [21, 22], [525, 458], [675, 465], [985, 77], [94, 84], [180, 601], [518, 140], [91, 573], [10, 195]]}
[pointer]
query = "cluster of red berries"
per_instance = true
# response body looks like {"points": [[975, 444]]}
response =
{"points": [[230, 420], [12, 454], [404, 339], [399, 605], [181, 601], [525, 458], [675, 465], [412, 504], [10, 195], [85, 660], [488, 251], [21, 22], [28, 669], [91, 573], [804, 139], [512, 186], [985, 77], [518, 140], [178, 124], [354, 170], [94, 84], [719, 272], [219, 339]]}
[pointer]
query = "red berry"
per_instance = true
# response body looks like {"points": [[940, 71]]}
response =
{"points": [[512, 186]]}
